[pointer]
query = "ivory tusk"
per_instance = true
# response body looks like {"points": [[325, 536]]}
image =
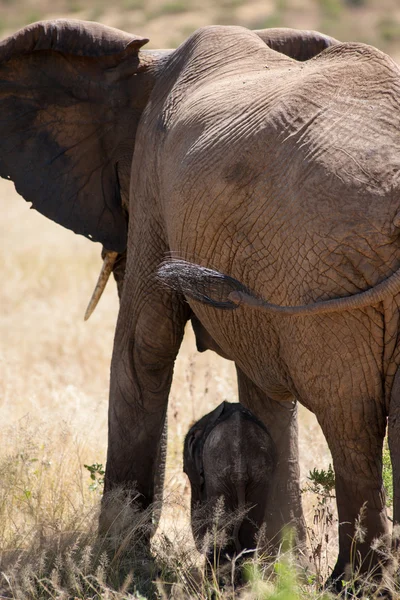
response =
{"points": [[105, 273]]}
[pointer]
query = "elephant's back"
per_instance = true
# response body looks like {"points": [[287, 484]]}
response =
{"points": [[338, 112]]}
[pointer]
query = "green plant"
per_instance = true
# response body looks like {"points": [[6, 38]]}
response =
{"points": [[97, 472], [322, 485], [323, 482], [387, 474]]}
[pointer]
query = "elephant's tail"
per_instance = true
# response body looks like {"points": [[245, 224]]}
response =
{"points": [[199, 283], [224, 292]]}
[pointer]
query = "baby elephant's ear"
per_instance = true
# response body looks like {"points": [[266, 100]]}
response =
{"points": [[194, 442], [67, 108], [192, 458]]}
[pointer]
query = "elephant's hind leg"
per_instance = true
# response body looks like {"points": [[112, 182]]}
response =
{"points": [[355, 436], [283, 506]]}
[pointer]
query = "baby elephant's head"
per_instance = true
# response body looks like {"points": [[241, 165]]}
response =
{"points": [[229, 457]]}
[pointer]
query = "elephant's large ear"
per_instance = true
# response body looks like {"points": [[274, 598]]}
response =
{"points": [[299, 44], [67, 111]]}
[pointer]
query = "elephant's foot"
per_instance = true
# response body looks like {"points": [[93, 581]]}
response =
{"points": [[123, 519], [378, 584], [124, 537]]}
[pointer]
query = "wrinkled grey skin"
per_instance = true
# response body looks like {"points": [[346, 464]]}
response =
{"points": [[283, 175], [229, 455]]}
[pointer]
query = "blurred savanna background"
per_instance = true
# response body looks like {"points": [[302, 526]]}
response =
{"points": [[55, 367], [168, 22]]}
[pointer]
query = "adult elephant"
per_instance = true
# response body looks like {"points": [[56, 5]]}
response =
{"points": [[72, 94], [284, 175]]}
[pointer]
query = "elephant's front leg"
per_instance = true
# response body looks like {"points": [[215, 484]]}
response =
{"points": [[284, 503], [355, 433], [148, 336]]}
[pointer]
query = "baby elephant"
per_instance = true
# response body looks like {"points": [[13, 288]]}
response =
{"points": [[229, 453]]}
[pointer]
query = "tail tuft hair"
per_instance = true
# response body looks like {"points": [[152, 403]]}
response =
{"points": [[199, 283]]}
